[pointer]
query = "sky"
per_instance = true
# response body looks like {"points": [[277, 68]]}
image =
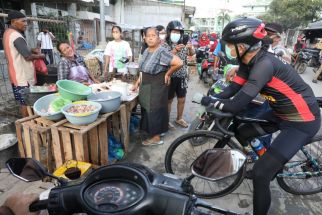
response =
{"points": [[209, 7]]}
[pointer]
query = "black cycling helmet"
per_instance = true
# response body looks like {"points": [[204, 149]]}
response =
{"points": [[244, 30], [174, 25]]}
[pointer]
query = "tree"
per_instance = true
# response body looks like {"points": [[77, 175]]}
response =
{"points": [[293, 13], [223, 16]]}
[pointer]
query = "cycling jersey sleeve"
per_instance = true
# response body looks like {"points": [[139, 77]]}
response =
{"points": [[259, 75], [229, 91]]}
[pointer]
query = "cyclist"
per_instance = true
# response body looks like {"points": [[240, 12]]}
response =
{"points": [[294, 109]]}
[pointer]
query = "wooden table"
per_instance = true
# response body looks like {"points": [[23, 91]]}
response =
{"points": [[64, 141]]}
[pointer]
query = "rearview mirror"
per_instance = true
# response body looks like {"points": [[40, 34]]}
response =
{"points": [[26, 169], [216, 164]]}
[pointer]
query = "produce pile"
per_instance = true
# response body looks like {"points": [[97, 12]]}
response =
{"points": [[81, 109]]}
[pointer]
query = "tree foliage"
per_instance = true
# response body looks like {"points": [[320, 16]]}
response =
{"points": [[293, 13]]}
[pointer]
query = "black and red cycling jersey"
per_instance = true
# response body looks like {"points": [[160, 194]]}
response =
{"points": [[289, 96]]}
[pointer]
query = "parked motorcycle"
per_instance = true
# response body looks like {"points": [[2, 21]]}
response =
{"points": [[205, 65], [130, 189], [302, 61]]}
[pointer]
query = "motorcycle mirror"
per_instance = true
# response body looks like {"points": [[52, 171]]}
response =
{"points": [[28, 169], [197, 98], [217, 164]]}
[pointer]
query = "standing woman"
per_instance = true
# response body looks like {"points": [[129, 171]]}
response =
{"points": [[156, 66], [115, 52]]}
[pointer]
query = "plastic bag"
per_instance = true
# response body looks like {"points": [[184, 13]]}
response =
{"points": [[40, 66], [115, 149], [57, 104]]}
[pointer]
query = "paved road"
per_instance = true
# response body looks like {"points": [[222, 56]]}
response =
{"points": [[240, 200]]}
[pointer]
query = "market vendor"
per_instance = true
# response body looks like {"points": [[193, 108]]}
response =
{"points": [[156, 66], [72, 66], [20, 57]]}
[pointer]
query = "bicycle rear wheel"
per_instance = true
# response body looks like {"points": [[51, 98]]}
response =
{"points": [[299, 176], [182, 153]]}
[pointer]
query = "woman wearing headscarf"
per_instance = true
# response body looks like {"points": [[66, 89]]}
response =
{"points": [[156, 66], [204, 40]]}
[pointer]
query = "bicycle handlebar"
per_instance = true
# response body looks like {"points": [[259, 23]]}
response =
{"points": [[218, 116]]}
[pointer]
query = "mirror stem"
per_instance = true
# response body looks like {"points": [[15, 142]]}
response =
{"points": [[186, 184], [62, 181]]}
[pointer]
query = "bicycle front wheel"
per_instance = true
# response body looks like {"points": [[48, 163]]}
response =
{"points": [[181, 154], [302, 175]]}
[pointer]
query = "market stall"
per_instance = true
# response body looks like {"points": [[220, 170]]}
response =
{"points": [[54, 139]]}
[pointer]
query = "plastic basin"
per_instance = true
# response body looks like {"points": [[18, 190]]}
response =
{"points": [[83, 118], [110, 100], [73, 90], [43, 104]]}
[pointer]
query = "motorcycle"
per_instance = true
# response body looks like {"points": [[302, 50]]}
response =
{"points": [[205, 64], [129, 189], [302, 61]]}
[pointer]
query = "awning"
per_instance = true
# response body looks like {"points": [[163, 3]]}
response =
{"points": [[314, 30], [85, 15]]}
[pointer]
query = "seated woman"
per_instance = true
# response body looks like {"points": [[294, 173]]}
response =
{"points": [[72, 66]]}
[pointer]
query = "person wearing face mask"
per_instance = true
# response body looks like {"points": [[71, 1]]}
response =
{"points": [[179, 82], [274, 31], [162, 33], [115, 53], [294, 109]]}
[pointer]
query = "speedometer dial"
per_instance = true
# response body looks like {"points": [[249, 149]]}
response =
{"points": [[111, 195], [108, 194]]}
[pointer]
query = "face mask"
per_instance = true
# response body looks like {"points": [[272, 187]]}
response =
{"points": [[228, 53], [212, 42], [162, 36], [174, 37]]}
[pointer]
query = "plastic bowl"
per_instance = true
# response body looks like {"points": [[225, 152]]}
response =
{"points": [[73, 90], [83, 118], [110, 100], [43, 104]]}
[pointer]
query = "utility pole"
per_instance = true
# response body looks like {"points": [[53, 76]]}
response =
{"points": [[102, 22], [184, 11]]}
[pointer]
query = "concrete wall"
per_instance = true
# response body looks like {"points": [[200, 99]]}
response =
{"points": [[149, 13]]}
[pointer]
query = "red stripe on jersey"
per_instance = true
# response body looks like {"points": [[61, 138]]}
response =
{"points": [[239, 80], [297, 99]]}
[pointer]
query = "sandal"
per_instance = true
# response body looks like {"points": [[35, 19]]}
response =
{"points": [[151, 142], [171, 126], [182, 123]]}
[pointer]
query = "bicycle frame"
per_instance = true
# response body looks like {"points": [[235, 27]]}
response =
{"points": [[305, 174]]}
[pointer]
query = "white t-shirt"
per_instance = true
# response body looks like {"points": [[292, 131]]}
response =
{"points": [[45, 39], [117, 50]]}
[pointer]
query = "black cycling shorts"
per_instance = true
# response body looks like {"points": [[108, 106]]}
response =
{"points": [[177, 88]]}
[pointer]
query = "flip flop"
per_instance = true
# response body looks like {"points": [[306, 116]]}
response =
{"points": [[171, 126], [150, 142], [182, 123]]}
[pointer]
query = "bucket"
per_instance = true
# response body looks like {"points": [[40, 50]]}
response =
{"points": [[8, 148]]}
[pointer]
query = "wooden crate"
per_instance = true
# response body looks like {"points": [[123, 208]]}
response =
{"points": [[83, 143], [89, 143], [34, 139]]}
